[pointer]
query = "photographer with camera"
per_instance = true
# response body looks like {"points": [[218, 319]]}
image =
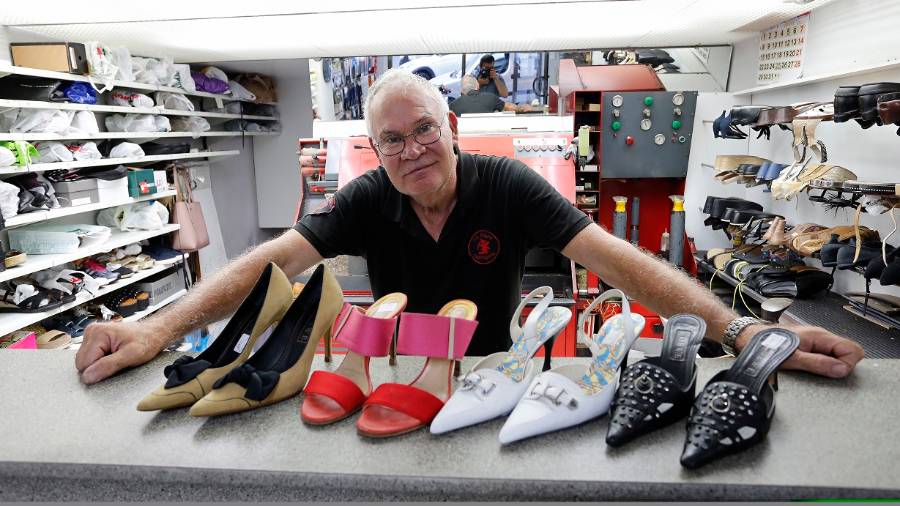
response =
{"points": [[472, 100], [488, 80]]}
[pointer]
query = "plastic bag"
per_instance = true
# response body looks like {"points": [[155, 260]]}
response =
{"points": [[100, 65], [215, 73], [53, 151], [180, 77], [151, 70], [138, 216], [126, 150], [194, 124], [131, 99], [130, 123], [24, 152], [7, 157], [122, 59], [9, 198], [84, 122], [84, 150], [42, 121], [80, 93], [8, 119], [239, 92], [209, 84], [161, 124], [174, 101]]}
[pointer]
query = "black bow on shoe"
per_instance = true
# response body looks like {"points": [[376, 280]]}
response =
{"points": [[259, 384], [184, 369]]}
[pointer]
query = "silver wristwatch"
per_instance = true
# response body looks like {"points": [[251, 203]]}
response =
{"points": [[733, 329]]}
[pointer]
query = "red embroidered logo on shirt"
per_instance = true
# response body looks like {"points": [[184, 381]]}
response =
{"points": [[484, 247]]}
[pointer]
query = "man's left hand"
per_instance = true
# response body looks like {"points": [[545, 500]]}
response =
{"points": [[820, 351]]}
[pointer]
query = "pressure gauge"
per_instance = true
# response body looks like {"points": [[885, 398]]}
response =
{"points": [[646, 124], [617, 101], [678, 99], [660, 139]]}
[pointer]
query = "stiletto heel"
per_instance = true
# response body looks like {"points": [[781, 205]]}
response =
{"points": [[328, 338], [188, 379], [392, 359], [548, 347], [494, 384], [333, 396], [280, 368]]}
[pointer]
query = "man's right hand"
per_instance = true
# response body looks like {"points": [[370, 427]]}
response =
{"points": [[109, 347]]}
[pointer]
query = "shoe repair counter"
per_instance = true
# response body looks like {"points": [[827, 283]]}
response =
{"points": [[64, 441]]}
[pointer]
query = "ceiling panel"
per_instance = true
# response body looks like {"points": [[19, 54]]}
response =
{"points": [[451, 28]]}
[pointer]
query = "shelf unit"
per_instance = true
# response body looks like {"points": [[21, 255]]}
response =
{"points": [[156, 307], [817, 78], [13, 321], [38, 216], [117, 240], [202, 100], [40, 167]]}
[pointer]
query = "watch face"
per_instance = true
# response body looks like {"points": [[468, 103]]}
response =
{"points": [[617, 101], [678, 99], [646, 124], [660, 139]]}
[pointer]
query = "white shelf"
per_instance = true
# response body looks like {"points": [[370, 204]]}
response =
{"points": [[120, 135], [35, 104], [888, 65], [40, 167], [10, 322], [156, 307], [38, 216], [117, 240], [6, 69]]}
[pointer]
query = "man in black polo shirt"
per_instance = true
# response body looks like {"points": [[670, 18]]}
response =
{"points": [[438, 225], [471, 100]]}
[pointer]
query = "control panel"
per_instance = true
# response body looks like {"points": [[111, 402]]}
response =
{"points": [[647, 134], [539, 147]]}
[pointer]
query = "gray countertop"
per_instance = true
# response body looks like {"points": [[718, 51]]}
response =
{"points": [[62, 440]]}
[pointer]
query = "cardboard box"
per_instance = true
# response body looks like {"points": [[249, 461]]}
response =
{"points": [[595, 107], [141, 182], [112, 191], [80, 198], [67, 57], [161, 180], [75, 186], [162, 286]]}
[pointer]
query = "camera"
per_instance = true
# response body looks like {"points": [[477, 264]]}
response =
{"points": [[484, 74]]}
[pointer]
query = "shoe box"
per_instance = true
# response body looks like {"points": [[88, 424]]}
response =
{"points": [[90, 191], [69, 57], [141, 182], [162, 285]]}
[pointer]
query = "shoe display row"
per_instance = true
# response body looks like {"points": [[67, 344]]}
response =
{"points": [[733, 411]]}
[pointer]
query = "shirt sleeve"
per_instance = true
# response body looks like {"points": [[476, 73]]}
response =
{"points": [[550, 221], [339, 226]]}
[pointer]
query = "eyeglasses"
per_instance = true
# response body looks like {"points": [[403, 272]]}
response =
{"points": [[425, 134]]}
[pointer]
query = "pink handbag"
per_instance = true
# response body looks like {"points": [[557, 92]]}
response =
{"points": [[189, 214]]}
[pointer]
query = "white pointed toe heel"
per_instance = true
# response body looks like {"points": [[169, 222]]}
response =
{"points": [[497, 382], [572, 394]]}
